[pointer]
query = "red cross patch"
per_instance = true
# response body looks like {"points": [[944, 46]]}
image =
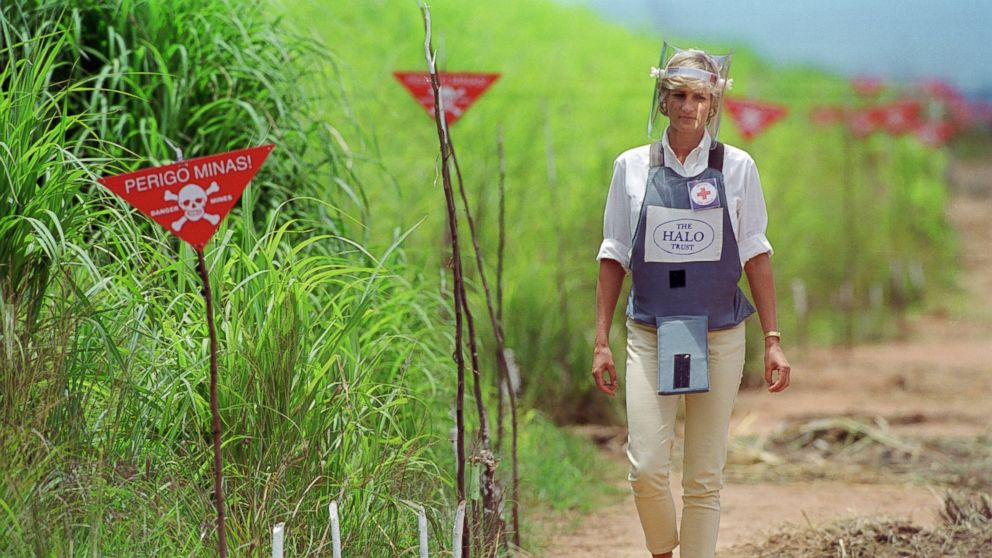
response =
{"points": [[703, 194]]}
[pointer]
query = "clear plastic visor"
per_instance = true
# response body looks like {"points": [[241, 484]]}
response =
{"points": [[669, 76]]}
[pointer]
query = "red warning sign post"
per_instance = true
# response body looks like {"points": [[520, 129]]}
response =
{"points": [[191, 198], [459, 91]]}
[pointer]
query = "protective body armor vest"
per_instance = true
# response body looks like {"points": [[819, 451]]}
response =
{"points": [[685, 260]]}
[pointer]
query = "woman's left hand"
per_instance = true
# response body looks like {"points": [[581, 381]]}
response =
{"points": [[775, 361]]}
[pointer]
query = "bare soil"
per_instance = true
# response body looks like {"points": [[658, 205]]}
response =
{"points": [[934, 385]]}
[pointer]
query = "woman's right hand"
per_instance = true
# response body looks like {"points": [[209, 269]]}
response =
{"points": [[602, 364]]}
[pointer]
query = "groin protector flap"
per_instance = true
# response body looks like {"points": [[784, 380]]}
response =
{"points": [[682, 355]]}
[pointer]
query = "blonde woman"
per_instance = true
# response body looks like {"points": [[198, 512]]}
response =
{"points": [[684, 216]]}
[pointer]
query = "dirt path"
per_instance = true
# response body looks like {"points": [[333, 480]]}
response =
{"points": [[936, 383]]}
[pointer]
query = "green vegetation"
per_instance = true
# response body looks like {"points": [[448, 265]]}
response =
{"points": [[327, 356], [859, 222], [336, 372]]}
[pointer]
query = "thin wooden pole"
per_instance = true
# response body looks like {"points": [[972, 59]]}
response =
{"points": [[500, 257], [500, 351], [214, 408], [506, 379], [492, 522], [456, 267], [498, 334], [502, 224]]}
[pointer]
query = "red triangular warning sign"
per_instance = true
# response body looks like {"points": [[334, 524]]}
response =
{"points": [[753, 117], [458, 90], [934, 134], [865, 121], [191, 198], [902, 117], [867, 86]]}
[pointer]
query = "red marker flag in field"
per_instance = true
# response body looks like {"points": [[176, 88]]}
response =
{"points": [[902, 117], [863, 122], [939, 89], [753, 117], [934, 134], [867, 86], [824, 115], [190, 198], [458, 90]]}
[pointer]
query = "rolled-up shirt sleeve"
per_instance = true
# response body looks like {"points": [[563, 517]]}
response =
{"points": [[617, 236], [753, 218]]}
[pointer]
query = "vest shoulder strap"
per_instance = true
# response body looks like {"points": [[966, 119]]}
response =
{"points": [[657, 154], [716, 157]]}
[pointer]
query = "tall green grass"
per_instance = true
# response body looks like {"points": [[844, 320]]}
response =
{"points": [[336, 374], [330, 359], [40, 226], [577, 87], [335, 355]]}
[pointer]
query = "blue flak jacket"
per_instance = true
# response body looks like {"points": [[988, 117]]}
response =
{"points": [[680, 275], [685, 268]]}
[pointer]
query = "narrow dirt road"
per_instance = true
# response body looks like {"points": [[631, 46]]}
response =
{"points": [[935, 383]]}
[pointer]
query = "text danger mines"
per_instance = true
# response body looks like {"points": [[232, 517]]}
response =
{"points": [[184, 175]]}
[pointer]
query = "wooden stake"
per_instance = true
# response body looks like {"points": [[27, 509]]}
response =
{"points": [[488, 484], [214, 410], [456, 266]]}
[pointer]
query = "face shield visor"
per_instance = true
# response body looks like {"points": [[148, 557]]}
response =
{"points": [[693, 68]]}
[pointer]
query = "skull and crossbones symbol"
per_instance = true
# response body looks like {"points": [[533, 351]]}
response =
{"points": [[450, 96], [192, 201]]}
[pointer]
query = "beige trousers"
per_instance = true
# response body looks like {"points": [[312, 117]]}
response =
{"points": [[651, 425]]}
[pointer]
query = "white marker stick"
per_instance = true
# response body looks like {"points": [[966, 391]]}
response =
{"points": [[456, 543], [422, 524], [335, 531], [513, 369], [800, 300], [277, 533]]}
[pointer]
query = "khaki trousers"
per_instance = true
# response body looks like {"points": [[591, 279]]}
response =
{"points": [[651, 425]]}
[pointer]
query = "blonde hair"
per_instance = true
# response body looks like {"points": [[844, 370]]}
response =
{"points": [[690, 58]]}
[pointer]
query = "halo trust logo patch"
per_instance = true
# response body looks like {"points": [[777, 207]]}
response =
{"points": [[683, 235]]}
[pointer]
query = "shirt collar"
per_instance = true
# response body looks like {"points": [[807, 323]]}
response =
{"points": [[698, 156]]}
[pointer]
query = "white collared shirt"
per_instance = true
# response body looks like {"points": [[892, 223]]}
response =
{"points": [[748, 216]]}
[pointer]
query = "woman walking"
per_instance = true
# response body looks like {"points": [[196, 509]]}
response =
{"points": [[684, 215]]}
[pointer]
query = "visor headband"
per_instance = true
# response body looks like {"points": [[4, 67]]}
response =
{"points": [[712, 79]]}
